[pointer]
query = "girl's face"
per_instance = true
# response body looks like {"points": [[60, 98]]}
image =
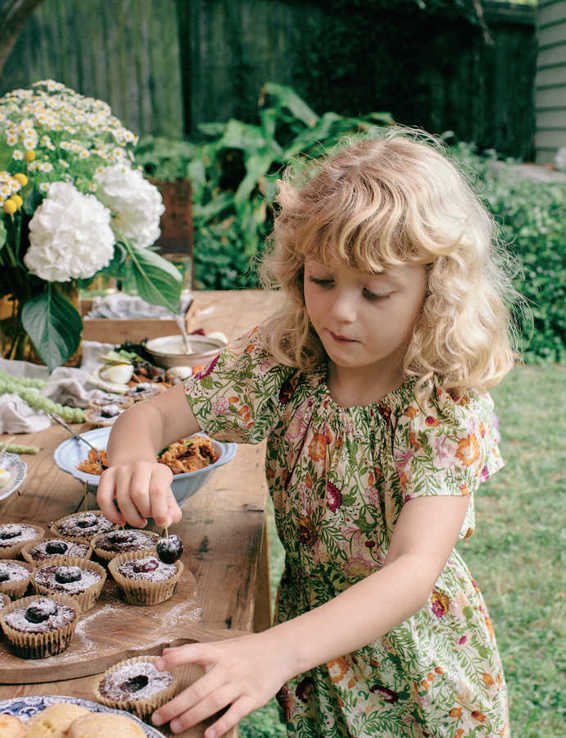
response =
{"points": [[364, 321]]}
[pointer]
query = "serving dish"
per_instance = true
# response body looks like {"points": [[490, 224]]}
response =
{"points": [[26, 707], [16, 468], [168, 351], [71, 452]]}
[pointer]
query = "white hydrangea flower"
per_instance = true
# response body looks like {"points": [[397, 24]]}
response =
{"points": [[70, 235], [136, 203]]}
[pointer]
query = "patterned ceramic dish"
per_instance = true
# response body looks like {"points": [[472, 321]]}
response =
{"points": [[16, 470]]}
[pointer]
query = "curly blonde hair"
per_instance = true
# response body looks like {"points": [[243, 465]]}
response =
{"points": [[390, 200]]}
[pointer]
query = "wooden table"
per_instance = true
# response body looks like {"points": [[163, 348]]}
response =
{"points": [[222, 526]]}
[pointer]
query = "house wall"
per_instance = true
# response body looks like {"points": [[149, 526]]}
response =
{"points": [[550, 85]]}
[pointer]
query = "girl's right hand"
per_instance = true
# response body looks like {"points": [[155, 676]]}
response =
{"points": [[131, 493]]}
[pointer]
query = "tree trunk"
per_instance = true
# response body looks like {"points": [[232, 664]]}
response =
{"points": [[13, 15]]}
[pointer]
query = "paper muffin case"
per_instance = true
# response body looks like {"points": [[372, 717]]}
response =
{"points": [[142, 591], [87, 538], [39, 645], [142, 708], [85, 599], [11, 552], [106, 556], [16, 589], [26, 550], [4, 600]]}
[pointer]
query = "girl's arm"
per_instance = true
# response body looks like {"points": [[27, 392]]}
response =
{"points": [[246, 672], [139, 485]]}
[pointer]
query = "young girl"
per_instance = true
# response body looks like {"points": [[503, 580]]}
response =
{"points": [[370, 386]]}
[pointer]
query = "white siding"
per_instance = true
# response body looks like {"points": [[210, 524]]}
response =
{"points": [[550, 85]]}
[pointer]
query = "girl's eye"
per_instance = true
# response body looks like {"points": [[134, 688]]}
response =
{"points": [[371, 296], [322, 282]]}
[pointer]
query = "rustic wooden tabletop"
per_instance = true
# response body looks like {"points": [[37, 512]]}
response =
{"points": [[226, 587]]}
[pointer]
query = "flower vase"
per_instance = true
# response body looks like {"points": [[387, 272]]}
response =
{"points": [[15, 344]]}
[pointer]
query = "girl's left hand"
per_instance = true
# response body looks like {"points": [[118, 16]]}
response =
{"points": [[242, 673]]}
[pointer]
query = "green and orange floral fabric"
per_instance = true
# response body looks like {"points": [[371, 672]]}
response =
{"points": [[339, 478]]}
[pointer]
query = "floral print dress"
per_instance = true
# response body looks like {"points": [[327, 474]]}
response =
{"points": [[339, 478]]}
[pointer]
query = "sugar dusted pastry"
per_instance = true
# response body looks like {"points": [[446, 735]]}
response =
{"points": [[15, 577], [143, 578], [69, 575], [82, 526], [11, 727], [110, 725], [54, 721], [14, 536], [47, 548]]}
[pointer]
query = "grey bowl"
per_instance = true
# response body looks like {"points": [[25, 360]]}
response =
{"points": [[71, 452]]}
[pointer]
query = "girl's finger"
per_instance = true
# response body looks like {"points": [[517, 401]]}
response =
{"points": [[210, 705], [140, 492], [238, 710], [105, 497], [191, 653], [161, 496], [124, 501], [189, 698]]}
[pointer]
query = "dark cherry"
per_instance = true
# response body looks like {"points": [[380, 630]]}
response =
{"points": [[86, 522], [40, 611], [5, 535], [134, 684], [56, 547], [145, 566], [4, 576], [120, 536], [67, 574], [169, 549]]}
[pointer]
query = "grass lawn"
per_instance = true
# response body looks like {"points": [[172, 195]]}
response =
{"points": [[517, 555]]}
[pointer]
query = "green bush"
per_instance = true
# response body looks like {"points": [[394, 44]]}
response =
{"points": [[234, 170]]}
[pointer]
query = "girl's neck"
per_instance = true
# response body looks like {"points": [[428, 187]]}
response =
{"points": [[349, 387]]}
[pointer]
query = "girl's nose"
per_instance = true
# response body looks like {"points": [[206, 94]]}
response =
{"points": [[344, 308]]}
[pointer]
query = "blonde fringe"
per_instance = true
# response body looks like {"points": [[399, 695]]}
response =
{"points": [[392, 200]]}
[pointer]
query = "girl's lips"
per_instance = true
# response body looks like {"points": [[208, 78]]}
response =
{"points": [[342, 339]]}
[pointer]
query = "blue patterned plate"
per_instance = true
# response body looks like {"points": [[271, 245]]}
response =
{"points": [[26, 707], [16, 468]]}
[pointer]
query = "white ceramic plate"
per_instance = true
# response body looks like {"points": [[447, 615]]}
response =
{"points": [[17, 470], [25, 707]]}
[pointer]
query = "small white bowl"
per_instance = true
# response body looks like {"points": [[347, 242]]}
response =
{"points": [[169, 351], [71, 452], [16, 469]]}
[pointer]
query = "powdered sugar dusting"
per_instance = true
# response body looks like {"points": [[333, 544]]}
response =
{"points": [[135, 681], [61, 616], [159, 573], [12, 533], [15, 572], [46, 577]]}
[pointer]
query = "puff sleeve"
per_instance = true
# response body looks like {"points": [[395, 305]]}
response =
{"points": [[236, 398], [447, 446]]}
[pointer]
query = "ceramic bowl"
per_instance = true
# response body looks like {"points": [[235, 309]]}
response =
{"points": [[71, 452], [168, 351]]}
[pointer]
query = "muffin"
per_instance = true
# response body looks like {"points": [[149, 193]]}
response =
{"points": [[101, 417], [99, 398], [54, 721], [82, 526], [11, 727], [14, 577], [70, 575], [14, 536], [143, 578], [49, 547], [136, 685], [145, 390], [104, 723], [108, 545], [37, 627]]}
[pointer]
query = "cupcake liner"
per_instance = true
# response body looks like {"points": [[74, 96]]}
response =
{"points": [[142, 708], [18, 588], [87, 537], [85, 599], [26, 550], [105, 556], [39, 645], [11, 552], [4, 600], [142, 591]]}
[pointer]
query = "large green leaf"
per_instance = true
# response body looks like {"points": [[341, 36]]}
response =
{"points": [[288, 97], [240, 135], [3, 234], [157, 280], [54, 326]]}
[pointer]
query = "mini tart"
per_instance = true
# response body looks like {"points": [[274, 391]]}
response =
{"points": [[109, 724], [46, 638], [44, 550], [102, 399], [4, 600], [18, 575], [145, 390], [136, 685], [144, 588], [104, 416], [85, 590], [14, 536], [82, 526], [108, 545]]}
